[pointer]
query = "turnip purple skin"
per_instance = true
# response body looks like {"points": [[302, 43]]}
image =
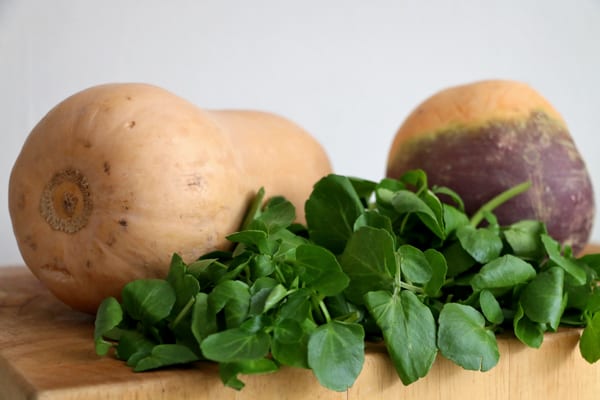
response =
{"points": [[481, 148]]}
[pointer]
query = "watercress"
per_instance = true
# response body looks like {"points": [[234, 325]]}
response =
{"points": [[394, 261]]}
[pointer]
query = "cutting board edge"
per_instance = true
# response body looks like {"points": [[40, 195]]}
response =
{"points": [[14, 385]]}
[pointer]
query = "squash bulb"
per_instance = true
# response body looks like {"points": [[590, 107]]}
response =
{"points": [[118, 177]]}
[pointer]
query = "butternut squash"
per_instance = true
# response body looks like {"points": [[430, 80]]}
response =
{"points": [[118, 177]]}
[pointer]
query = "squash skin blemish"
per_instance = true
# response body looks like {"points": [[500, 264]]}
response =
{"points": [[66, 202]]}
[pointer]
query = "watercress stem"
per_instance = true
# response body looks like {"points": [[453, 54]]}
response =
{"points": [[498, 200], [410, 287], [253, 209], [324, 310], [279, 275], [184, 311]]}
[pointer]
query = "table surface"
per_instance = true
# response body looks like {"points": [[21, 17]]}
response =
{"points": [[47, 352]]}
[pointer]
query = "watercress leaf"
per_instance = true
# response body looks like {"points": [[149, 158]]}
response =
{"points": [[523, 237], [136, 357], [266, 298], [529, 332], [542, 299], [204, 321], [364, 188], [108, 317], [490, 307], [259, 366], [592, 261], [409, 331], [453, 219], [228, 372], [294, 355], [207, 272], [589, 343], [336, 354], [148, 300], [177, 265], [133, 343], [276, 295], [252, 237], [320, 270], [296, 306], [439, 268], [184, 285], [288, 331], [503, 272], [459, 205], [278, 213], [234, 298], [370, 261], [385, 191], [373, 219], [407, 202], [290, 343], [257, 323], [482, 244], [331, 210], [463, 338], [415, 178], [237, 265], [340, 308], [262, 265], [164, 355], [179, 330], [434, 203], [553, 249], [413, 264], [257, 300], [593, 304], [287, 243], [578, 297], [458, 260], [235, 344], [264, 282]]}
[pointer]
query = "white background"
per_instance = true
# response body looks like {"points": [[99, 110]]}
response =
{"points": [[347, 71]]}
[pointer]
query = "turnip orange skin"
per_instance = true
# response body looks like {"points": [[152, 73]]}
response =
{"points": [[482, 138], [118, 177]]}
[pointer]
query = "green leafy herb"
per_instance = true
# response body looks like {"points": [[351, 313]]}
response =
{"points": [[464, 339], [336, 354], [236, 344], [331, 211], [148, 300], [165, 355], [490, 307], [542, 299], [369, 260], [408, 328], [108, 317], [590, 340], [394, 261], [503, 272]]}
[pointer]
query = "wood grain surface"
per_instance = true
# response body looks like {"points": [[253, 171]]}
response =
{"points": [[47, 352]]}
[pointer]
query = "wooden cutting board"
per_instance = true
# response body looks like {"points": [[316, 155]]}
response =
{"points": [[47, 352]]}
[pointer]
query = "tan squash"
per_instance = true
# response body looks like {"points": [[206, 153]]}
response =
{"points": [[118, 177]]}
